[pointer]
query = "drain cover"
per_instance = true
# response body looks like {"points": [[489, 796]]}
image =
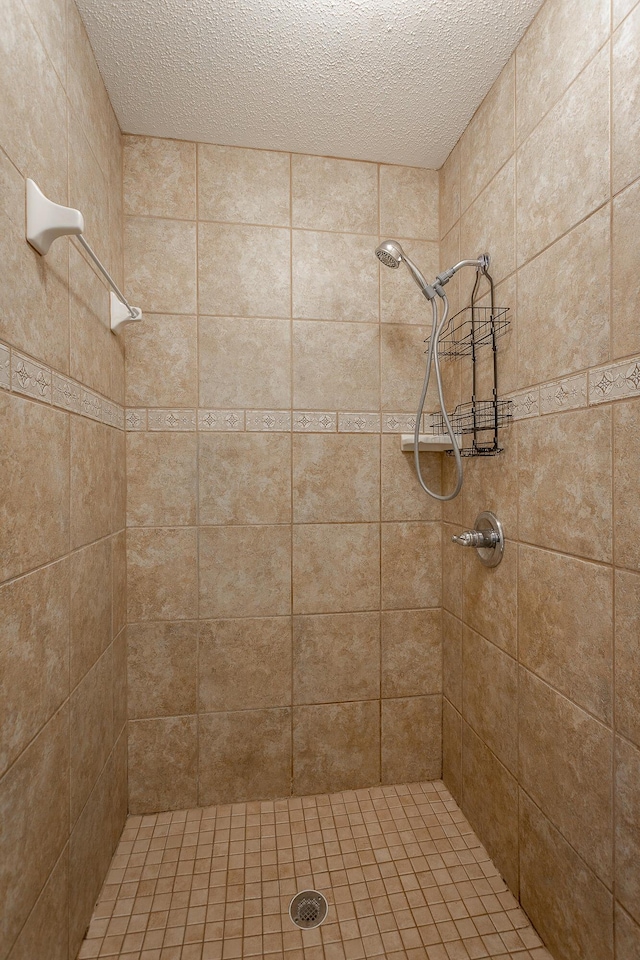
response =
{"points": [[308, 909]]}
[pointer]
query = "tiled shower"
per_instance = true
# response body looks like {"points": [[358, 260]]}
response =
{"points": [[238, 647]]}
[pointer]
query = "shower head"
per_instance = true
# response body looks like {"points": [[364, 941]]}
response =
{"points": [[391, 254]]}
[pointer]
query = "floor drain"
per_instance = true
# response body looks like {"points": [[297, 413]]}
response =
{"points": [[308, 909]]}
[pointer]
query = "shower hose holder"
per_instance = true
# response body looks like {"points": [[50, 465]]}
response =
{"points": [[487, 537]]}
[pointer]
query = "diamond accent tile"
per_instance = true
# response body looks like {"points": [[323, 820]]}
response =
{"points": [[171, 419], [615, 381], [66, 393], [526, 404], [359, 422], [5, 367], [91, 405], [221, 420], [135, 419], [268, 420], [30, 378], [565, 394], [308, 422], [398, 422]]}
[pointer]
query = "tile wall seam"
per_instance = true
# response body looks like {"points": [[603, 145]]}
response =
{"points": [[197, 152], [291, 480]]}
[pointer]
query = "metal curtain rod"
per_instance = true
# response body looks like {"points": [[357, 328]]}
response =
{"points": [[46, 221]]}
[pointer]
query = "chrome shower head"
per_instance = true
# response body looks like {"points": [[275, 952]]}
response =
{"points": [[391, 254]]}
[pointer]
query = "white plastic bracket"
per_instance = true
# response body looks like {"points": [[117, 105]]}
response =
{"points": [[46, 220], [120, 315]]}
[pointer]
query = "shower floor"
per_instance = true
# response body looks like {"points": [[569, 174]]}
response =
{"points": [[404, 875]]}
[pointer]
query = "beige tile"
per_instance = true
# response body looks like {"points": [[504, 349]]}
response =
{"points": [[161, 362], [452, 563], [403, 362], [411, 653], [118, 473], [161, 479], [452, 749], [565, 485], [46, 932], [162, 574], [92, 481], [34, 655], [452, 659], [490, 696], [244, 664], [565, 766], [255, 281], [626, 420], [336, 567], [162, 669], [328, 194], [245, 755], [488, 141], [563, 168], [411, 565], [491, 483], [243, 186], [627, 935], [627, 839], [119, 580], [555, 48], [570, 908], [449, 256], [625, 134], [163, 764], [336, 478], [89, 190], [566, 291], [335, 277], [244, 477], [245, 571], [34, 511], [51, 24], [336, 746], [85, 87], [336, 657], [400, 299], [91, 607], [159, 178], [89, 325], [624, 277], [120, 684], [449, 189], [565, 627], [160, 265], [402, 496], [91, 725], [484, 231], [34, 833], [411, 735], [336, 366], [627, 666], [245, 363], [409, 202], [491, 596], [491, 804]]}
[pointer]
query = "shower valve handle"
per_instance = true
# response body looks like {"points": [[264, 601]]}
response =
{"points": [[477, 538], [487, 537]]}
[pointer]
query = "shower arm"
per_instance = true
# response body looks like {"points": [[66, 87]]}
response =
{"points": [[481, 264]]}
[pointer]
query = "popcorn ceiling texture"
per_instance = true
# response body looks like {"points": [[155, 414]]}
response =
{"points": [[393, 83]]}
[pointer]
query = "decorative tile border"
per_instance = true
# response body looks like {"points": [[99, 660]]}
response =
{"points": [[309, 422], [359, 422], [526, 404], [5, 368], [268, 421], [135, 419], [173, 420], [66, 393], [615, 381], [30, 378], [568, 394], [398, 422], [221, 420]]}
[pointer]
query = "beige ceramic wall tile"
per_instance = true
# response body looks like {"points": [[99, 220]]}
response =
{"points": [[34, 511], [627, 619], [400, 299], [244, 363], [85, 87], [403, 362], [411, 656], [244, 664], [335, 277], [336, 657], [565, 626], [491, 483], [91, 726], [161, 479], [336, 478], [336, 567], [89, 191], [402, 497], [555, 48], [245, 571], [565, 485], [627, 934], [335, 366], [336, 746], [452, 659], [46, 932], [491, 804], [243, 271], [563, 168], [452, 561], [411, 569], [409, 202], [490, 696], [484, 230], [565, 766], [162, 574], [624, 278], [245, 755], [161, 362], [328, 194], [627, 788], [452, 750], [160, 265], [119, 580], [488, 141], [407, 723], [51, 24], [159, 177], [92, 481], [243, 186], [491, 597], [120, 712], [625, 102], [626, 420], [89, 325], [571, 909], [162, 669], [163, 764], [449, 190], [244, 478], [34, 656], [91, 605]]}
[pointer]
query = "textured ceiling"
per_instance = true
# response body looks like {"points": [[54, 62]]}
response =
{"points": [[367, 79]]}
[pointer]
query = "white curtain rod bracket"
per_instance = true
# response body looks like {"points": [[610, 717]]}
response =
{"points": [[46, 221]]}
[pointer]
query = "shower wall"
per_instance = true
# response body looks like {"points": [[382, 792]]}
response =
{"points": [[284, 571], [541, 675]]}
